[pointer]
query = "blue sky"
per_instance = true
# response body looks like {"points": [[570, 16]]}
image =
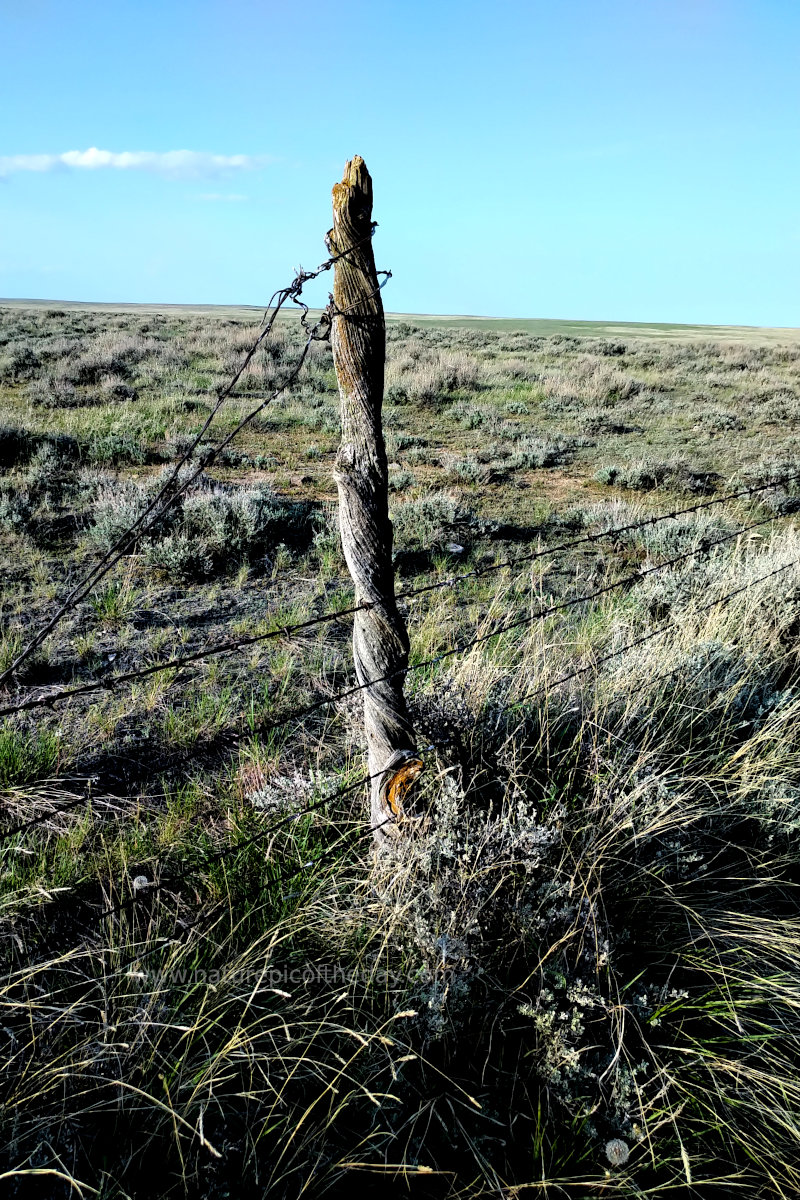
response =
{"points": [[595, 159]]}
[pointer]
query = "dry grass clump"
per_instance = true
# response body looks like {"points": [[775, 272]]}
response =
{"points": [[432, 376], [588, 381]]}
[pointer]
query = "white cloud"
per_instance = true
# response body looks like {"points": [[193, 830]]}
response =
{"points": [[181, 164]]}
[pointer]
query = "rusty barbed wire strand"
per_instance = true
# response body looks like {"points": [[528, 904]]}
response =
{"points": [[563, 547], [541, 614], [239, 643], [169, 492], [522, 701], [639, 641], [233, 848]]}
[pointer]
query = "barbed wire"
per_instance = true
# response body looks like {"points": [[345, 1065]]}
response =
{"points": [[88, 797], [521, 700], [287, 631], [669, 624], [541, 614], [260, 835], [465, 645], [282, 879], [176, 881], [231, 644], [585, 539], [24, 826], [174, 487], [234, 848]]}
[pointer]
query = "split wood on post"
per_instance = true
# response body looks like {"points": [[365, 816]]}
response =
{"points": [[380, 640]]}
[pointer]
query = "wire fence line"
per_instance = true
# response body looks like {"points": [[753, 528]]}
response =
{"points": [[665, 627], [226, 647], [123, 804], [467, 644], [176, 881], [190, 926], [464, 645], [179, 481], [230, 645], [523, 700], [181, 477], [254, 839], [588, 538], [175, 486]]}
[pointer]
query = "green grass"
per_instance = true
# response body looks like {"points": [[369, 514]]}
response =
{"points": [[114, 602], [25, 757]]}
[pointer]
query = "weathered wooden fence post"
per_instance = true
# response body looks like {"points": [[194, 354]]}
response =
{"points": [[380, 640]]}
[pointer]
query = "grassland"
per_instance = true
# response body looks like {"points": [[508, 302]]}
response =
{"points": [[543, 327], [591, 942]]}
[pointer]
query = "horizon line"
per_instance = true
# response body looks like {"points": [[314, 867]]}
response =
{"points": [[155, 304]]}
